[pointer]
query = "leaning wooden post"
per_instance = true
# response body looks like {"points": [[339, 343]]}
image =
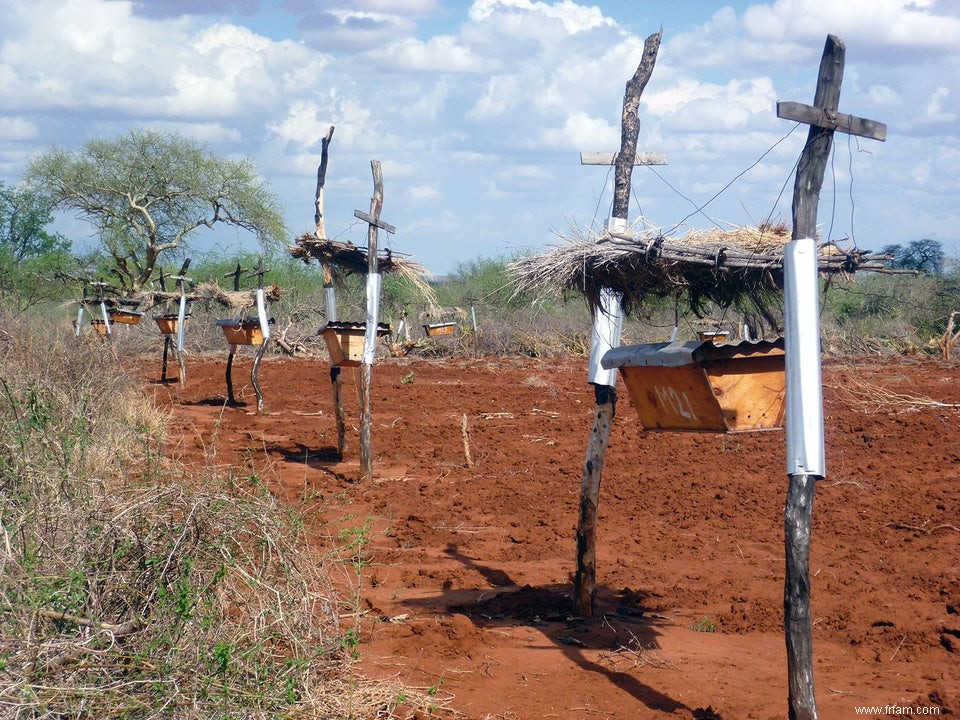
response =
{"points": [[329, 296], [329, 293], [607, 327], [166, 336], [373, 315], [264, 320], [806, 461], [232, 352], [181, 284]]}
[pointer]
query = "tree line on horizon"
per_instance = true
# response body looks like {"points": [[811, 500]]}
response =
{"points": [[148, 196]]}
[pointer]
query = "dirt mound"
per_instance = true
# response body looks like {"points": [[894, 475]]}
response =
{"points": [[465, 578]]}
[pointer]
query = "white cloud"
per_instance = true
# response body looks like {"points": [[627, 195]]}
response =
{"points": [[883, 94], [482, 111], [13, 129], [306, 122], [580, 131], [503, 93], [424, 192], [347, 29], [206, 132], [88, 53], [697, 106], [493, 191], [934, 110], [574, 18], [441, 53], [892, 23]]}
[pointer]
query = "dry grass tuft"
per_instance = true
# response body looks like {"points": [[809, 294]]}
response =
{"points": [[127, 592]]}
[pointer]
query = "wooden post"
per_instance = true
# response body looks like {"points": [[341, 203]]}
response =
{"points": [[166, 336], [231, 354], [321, 230], [801, 441], [182, 280], [329, 293], [264, 331], [605, 392], [373, 311]]}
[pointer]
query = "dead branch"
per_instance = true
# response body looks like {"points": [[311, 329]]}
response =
{"points": [[875, 398]]}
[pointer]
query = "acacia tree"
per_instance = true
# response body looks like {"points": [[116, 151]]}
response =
{"points": [[31, 257], [147, 193], [24, 217], [925, 256]]}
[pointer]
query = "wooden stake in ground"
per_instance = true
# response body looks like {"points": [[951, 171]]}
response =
{"points": [[465, 434], [329, 294], [232, 352], [181, 280], [373, 314], [805, 464], [584, 586], [264, 331], [949, 337]]}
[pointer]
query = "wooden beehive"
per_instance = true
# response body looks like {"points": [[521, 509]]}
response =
{"points": [[242, 332], [100, 326], [440, 329], [345, 341], [126, 317], [168, 324], [716, 336], [703, 386]]}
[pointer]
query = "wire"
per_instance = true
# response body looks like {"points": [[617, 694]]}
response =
{"points": [[776, 202], [606, 180], [692, 202], [727, 186]]}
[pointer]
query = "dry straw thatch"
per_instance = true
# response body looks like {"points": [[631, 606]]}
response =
{"points": [[232, 300], [345, 258], [739, 266]]}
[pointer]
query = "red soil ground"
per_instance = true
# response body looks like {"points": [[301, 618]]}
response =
{"points": [[468, 587]]}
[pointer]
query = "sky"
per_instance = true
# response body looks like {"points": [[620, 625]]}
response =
{"points": [[478, 111]]}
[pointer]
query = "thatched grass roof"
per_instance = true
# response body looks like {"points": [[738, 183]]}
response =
{"points": [[233, 300], [739, 266], [345, 258]]}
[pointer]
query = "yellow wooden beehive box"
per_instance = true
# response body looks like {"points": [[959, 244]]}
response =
{"points": [[439, 329], [126, 317], [716, 336], [703, 386], [242, 332], [345, 341], [168, 324]]}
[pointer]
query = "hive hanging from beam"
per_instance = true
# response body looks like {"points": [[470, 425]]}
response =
{"points": [[703, 386]]}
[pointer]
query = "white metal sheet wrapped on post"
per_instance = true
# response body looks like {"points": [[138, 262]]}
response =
{"points": [[607, 330], [106, 317], [373, 315], [804, 413], [607, 326], [330, 303], [181, 321], [262, 315]]}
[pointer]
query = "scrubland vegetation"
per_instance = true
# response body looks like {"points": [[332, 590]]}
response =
{"points": [[134, 587], [131, 586]]}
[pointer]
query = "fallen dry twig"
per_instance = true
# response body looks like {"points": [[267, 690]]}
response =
{"points": [[873, 398]]}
